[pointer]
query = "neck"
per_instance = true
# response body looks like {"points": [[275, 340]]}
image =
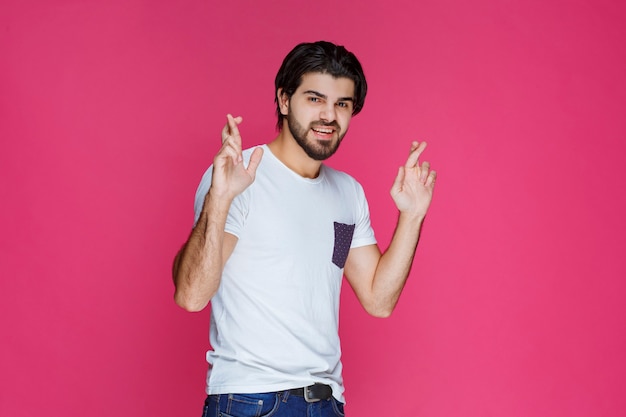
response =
{"points": [[286, 149]]}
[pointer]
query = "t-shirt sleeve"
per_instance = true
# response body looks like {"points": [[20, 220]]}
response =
{"points": [[363, 232], [201, 192]]}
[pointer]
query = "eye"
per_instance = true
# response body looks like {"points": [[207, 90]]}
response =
{"points": [[342, 104], [314, 99]]}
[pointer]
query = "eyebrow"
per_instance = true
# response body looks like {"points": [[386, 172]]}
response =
{"points": [[320, 95]]}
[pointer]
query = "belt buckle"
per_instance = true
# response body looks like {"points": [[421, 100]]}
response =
{"points": [[309, 396]]}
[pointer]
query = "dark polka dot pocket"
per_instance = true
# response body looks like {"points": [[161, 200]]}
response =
{"points": [[343, 240]]}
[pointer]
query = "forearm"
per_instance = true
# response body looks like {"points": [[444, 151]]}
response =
{"points": [[378, 279], [394, 265], [198, 266]]}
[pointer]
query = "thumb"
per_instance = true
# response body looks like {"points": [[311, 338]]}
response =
{"points": [[255, 160], [397, 183]]}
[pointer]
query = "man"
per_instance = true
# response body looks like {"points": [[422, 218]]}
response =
{"points": [[276, 230]]}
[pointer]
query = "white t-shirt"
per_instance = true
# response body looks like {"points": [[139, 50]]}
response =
{"points": [[275, 316]]}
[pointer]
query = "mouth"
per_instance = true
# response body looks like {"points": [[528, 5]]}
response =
{"points": [[323, 132]]}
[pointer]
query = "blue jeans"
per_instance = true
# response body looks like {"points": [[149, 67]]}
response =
{"points": [[272, 404]]}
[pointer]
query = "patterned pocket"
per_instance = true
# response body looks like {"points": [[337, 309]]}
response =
{"points": [[343, 240]]}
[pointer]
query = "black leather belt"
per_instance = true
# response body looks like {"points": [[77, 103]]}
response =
{"points": [[313, 393]]}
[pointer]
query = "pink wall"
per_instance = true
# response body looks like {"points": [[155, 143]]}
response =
{"points": [[110, 112]]}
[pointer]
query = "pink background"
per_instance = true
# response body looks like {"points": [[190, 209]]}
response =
{"points": [[110, 111]]}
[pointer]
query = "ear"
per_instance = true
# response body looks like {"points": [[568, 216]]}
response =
{"points": [[283, 101]]}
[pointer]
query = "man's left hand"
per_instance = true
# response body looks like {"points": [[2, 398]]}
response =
{"points": [[412, 191]]}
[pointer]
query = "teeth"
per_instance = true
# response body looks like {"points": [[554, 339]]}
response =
{"points": [[324, 130]]}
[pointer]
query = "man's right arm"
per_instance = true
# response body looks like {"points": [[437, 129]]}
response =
{"points": [[199, 264]]}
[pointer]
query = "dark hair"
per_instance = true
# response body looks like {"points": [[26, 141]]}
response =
{"points": [[323, 57]]}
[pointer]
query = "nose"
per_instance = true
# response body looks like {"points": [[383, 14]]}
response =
{"points": [[328, 113]]}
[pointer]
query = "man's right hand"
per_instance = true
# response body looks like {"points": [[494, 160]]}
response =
{"points": [[230, 177]]}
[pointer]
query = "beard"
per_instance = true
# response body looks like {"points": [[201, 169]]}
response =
{"points": [[314, 148]]}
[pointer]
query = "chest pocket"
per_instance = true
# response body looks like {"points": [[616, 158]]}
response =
{"points": [[343, 240]]}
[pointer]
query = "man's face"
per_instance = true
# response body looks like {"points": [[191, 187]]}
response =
{"points": [[319, 112]]}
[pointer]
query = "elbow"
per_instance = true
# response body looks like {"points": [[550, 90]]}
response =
{"points": [[190, 297], [381, 313], [190, 304]]}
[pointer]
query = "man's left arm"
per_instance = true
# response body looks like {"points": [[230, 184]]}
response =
{"points": [[378, 279]]}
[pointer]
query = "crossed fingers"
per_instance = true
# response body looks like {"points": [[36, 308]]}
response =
{"points": [[231, 139], [425, 174]]}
